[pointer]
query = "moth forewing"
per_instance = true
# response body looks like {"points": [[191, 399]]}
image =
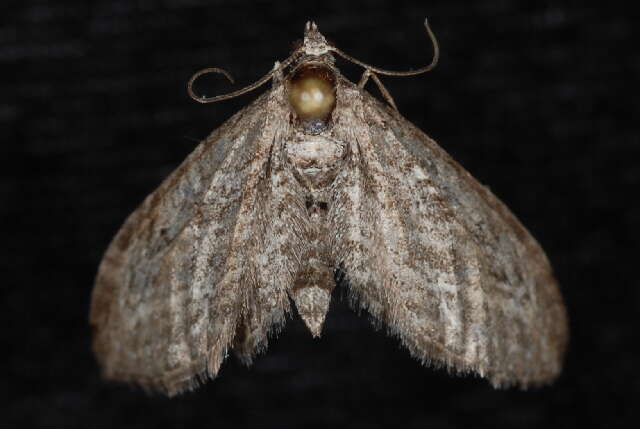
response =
{"points": [[313, 177], [455, 275]]}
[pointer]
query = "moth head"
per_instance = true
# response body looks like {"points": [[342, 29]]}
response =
{"points": [[311, 89], [314, 42], [312, 83]]}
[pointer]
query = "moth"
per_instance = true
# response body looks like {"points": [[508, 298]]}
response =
{"points": [[314, 180]]}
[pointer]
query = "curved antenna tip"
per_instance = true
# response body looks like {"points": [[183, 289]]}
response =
{"points": [[256, 84], [434, 60]]}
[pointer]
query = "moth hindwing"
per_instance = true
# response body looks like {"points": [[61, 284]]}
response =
{"points": [[314, 176]]}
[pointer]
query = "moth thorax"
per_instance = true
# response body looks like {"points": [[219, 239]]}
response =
{"points": [[312, 94]]}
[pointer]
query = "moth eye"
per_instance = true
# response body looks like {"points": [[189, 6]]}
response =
{"points": [[312, 93]]}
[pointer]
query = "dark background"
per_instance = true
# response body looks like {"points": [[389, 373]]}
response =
{"points": [[535, 99]]}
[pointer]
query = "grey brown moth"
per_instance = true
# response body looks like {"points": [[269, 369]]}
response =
{"points": [[313, 178]]}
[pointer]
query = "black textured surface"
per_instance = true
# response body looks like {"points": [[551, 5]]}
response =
{"points": [[536, 99]]}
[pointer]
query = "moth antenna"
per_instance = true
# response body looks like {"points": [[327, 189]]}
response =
{"points": [[249, 88], [434, 61]]}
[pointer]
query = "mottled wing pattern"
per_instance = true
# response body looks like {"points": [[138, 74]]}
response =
{"points": [[204, 263], [437, 257]]}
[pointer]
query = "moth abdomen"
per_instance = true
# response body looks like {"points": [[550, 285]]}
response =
{"points": [[311, 293]]}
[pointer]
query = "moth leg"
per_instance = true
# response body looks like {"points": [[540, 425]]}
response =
{"points": [[363, 81], [277, 72]]}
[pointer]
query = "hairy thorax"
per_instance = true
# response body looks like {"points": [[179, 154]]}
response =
{"points": [[316, 160]]}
